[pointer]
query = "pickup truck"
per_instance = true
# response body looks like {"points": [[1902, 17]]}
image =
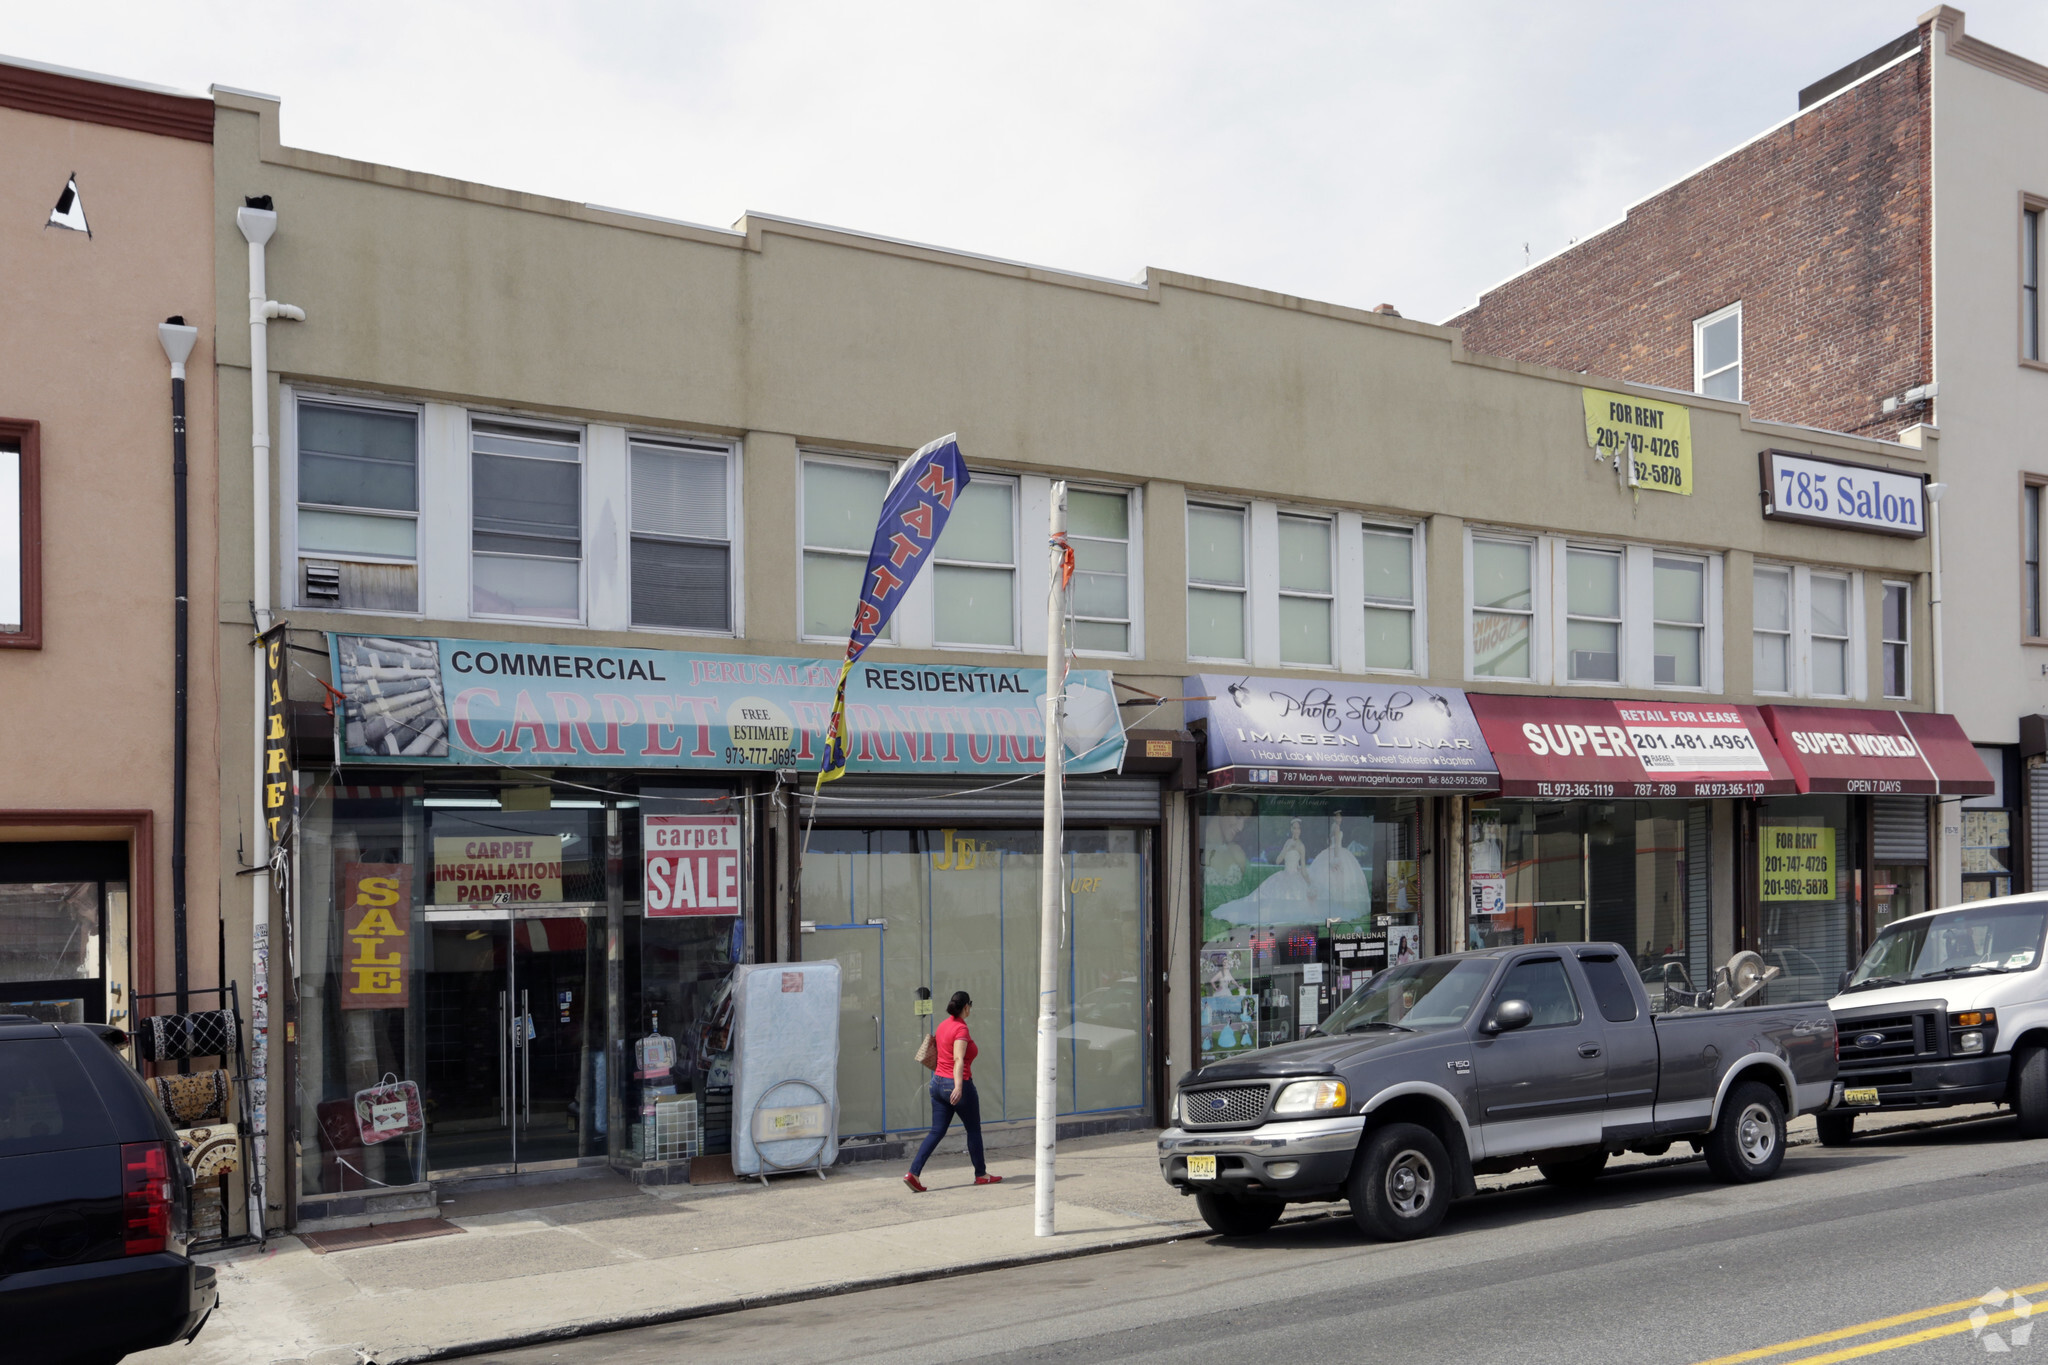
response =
{"points": [[1948, 1007], [1438, 1071]]}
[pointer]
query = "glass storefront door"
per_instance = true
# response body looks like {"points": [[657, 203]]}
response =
{"points": [[54, 925], [508, 1076], [863, 1073]]}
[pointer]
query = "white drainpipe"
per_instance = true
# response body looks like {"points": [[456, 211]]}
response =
{"points": [[257, 225]]}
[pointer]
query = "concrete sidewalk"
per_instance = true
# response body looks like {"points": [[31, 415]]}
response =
{"points": [[542, 1261]]}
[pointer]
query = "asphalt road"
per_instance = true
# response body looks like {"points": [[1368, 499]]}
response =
{"points": [[1660, 1266]]}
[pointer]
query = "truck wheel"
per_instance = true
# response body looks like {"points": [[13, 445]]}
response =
{"points": [[2030, 1091], [1836, 1130], [1749, 1141], [1401, 1183], [1577, 1172], [1237, 1217]]}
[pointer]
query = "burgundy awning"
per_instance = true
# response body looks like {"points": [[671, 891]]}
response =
{"points": [[1599, 747], [1848, 749]]}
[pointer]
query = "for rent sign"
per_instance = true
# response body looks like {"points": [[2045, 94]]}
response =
{"points": [[1654, 438], [693, 865]]}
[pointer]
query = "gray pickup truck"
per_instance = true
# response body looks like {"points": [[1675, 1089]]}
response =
{"points": [[1438, 1071]]}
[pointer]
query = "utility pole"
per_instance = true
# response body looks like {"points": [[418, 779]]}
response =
{"points": [[1052, 880]]}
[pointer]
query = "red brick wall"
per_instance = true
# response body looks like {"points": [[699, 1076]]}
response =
{"points": [[1821, 230]]}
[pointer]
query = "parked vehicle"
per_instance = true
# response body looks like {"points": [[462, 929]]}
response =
{"points": [[1948, 1007], [1438, 1071], [94, 1204]]}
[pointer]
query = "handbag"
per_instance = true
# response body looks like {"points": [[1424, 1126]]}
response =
{"points": [[928, 1053], [388, 1109]]}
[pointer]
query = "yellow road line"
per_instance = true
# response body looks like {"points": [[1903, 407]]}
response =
{"points": [[1871, 1348], [1861, 1329]]}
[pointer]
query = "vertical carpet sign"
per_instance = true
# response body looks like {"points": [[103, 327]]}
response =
{"points": [[914, 512], [277, 774]]}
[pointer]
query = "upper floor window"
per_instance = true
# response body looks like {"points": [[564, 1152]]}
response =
{"points": [[1679, 594], [1503, 607], [526, 521], [21, 550], [1099, 529], [1390, 597], [1592, 632], [974, 567], [842, 501], [1898, 627], [1805, 632], [1717, 353], [2030, 282], [2030, 558], [358, 505], [1217, 582], [1307, 591], [682, 535]]}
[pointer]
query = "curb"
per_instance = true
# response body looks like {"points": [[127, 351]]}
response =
{"points": [[741, 1303]]}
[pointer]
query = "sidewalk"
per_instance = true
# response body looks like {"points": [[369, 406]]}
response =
{"points": [[555, 1260]]}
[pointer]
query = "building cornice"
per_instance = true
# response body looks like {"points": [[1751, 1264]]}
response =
{"points": [[38, 89], [1948, 22]]}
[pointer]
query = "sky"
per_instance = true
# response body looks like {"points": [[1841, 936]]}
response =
{"points": [[1359, 153]]}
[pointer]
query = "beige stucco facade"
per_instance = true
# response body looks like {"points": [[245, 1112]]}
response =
{"points": [[86, 719], [463, 301]]}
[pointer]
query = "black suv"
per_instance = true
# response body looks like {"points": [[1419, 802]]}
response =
{"points": [[94, 1204]]}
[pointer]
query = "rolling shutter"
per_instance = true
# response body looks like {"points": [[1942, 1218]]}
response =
{"points": [[1898, 829]]}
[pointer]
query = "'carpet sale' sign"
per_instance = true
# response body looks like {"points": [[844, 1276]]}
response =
{"points": [[693, 864]]}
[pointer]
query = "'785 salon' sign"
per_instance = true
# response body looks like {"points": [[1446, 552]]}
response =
{"points": [[1831, 493]]}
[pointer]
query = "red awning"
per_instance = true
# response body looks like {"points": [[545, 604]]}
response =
{"points": [[1597, 747], [1846, 749]]}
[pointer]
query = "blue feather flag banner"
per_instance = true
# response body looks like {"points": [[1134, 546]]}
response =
{"points": [[914, 512]]}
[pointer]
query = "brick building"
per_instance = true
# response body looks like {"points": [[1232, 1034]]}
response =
{"points": [[1867, 261]]}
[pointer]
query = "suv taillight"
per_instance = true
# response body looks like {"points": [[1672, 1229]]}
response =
{"points": [[146, 1196]]}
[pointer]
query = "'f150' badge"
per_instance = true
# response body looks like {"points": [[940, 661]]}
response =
{"points": [[1460, 1068]]}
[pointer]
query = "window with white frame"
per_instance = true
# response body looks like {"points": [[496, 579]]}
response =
{"points": [[1898, 627], [1308, 590], [1503, 607], [1099, 529], [842, 501], [526, 527], [1389, 597], [2030, 556], [682, 534], [1679, 599], [974, 567], [358, 505], [1717, 353], [2030, 282], [1772, 597], [1828, 630], [1592, 622], [1805, 631], [1217, 582]]}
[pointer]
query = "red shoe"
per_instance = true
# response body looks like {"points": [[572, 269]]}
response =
{"points": [[914, 1183], [988, 1180]]}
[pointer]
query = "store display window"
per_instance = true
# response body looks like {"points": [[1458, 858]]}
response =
{"points": [[1808, 850], [1987, 854], [1303, 899], [1626, 872]]}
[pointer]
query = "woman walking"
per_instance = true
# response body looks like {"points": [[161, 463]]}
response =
{"points": [[953, 1093]]}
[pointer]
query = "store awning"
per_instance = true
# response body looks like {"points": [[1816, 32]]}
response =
{"points": [[1597, 748], [1847, 749], [1286, 732]]}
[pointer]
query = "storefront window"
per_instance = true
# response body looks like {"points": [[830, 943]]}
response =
{"points": [[1897, 892], [1303, 898], [1808, 851], [958, 909], [1627, 872], [1987, 854]]}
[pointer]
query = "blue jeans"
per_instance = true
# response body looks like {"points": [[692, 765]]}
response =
{"points": [[943, 1109]]}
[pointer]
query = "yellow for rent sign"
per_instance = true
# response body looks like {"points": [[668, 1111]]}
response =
{"points": [[1657, 437]]}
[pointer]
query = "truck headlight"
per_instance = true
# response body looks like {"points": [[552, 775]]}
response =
{"points": [[1173, 1112], [1311, 1097], [1970, 1042]]}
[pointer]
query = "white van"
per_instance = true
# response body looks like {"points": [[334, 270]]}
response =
{"points": [[1948, 1007]]}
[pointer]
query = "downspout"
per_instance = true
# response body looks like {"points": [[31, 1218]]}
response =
{"points": [[177, 339], [258, 221]]}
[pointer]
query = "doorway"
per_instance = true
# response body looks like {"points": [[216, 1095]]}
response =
{"points": [[514, 1035]]}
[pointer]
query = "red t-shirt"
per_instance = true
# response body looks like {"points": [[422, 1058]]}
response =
{"points": [[949, 1030]]}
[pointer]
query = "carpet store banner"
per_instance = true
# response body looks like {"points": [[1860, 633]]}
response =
{"points": [[457, 702]]}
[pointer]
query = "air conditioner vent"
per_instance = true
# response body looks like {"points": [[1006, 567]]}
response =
{"points": [[323, 582]]}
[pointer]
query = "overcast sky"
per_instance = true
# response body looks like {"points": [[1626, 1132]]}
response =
{"points": [[1359, 153]]}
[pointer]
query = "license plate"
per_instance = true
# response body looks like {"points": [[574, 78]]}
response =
{"points": [[1862, 1095], [1201, 1168]]}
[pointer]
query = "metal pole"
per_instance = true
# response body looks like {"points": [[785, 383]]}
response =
{"points": [[1052, 879], [614, 986], [177, 338]]}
